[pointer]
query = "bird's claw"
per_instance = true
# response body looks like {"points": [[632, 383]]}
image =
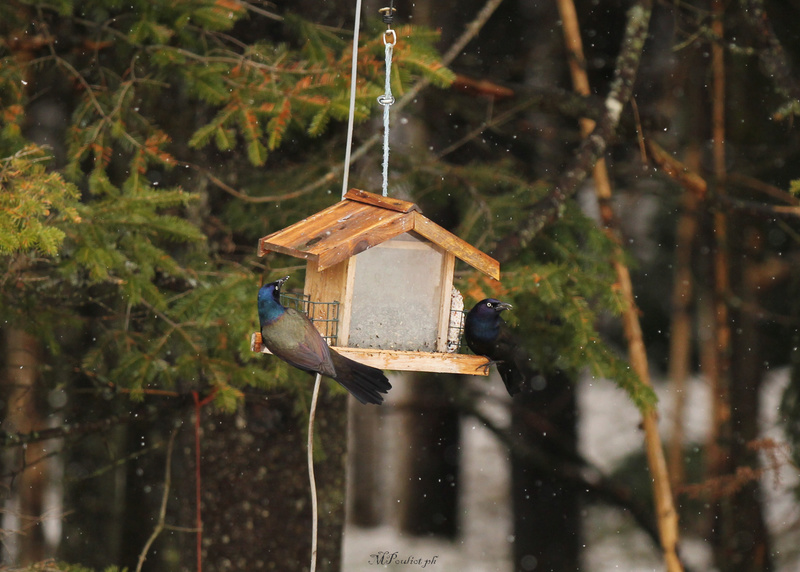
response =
{"points": [[485, 367]]}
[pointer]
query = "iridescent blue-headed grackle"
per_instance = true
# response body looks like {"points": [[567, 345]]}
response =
{"points": [[488, 335], [291, 336]]}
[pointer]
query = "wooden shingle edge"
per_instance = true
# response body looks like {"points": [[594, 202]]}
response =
{"points": [[380, 201], [383, 229], [460, 248]]}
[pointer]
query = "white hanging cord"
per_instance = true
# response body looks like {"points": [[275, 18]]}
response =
{"points": [[386, 100], [353, 75], [314, 511]]}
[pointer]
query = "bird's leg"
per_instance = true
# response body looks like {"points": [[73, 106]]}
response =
{"points": [[485, 367]]}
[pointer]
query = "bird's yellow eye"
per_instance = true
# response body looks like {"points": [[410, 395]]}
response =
{"points": [[489, 304]]}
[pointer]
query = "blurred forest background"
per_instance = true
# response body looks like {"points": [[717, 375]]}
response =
{"points": [[633, 165]]}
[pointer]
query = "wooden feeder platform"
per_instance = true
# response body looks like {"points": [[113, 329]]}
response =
{"points": [[397, 360]]}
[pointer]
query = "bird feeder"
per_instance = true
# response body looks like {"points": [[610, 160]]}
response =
{"points": [[379, 282]]}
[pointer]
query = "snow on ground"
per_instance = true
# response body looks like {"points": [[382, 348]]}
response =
{"points": [[781, 507], [609, 430]]}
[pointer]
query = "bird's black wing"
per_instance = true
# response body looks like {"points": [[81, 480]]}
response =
{"points": [[515, 366]]}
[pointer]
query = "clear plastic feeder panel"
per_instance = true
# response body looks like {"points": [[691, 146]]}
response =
{"points": [[397, 291]]}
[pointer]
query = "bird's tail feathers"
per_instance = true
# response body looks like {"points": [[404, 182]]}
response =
{"points": [[521, 376], [364, 382]]}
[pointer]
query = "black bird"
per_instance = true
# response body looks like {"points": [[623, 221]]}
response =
{"points": [[291, 336], [488, 335]]}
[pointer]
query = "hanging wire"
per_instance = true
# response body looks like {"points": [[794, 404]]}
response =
{"points": [[311, 480], [387, 99], [353, 73]]}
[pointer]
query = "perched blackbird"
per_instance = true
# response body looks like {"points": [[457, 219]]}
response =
{"points": [[291, 336], [488, 335]]}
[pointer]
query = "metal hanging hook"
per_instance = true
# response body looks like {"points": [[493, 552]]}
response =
{"points": [[389, 40], [387, 13]]}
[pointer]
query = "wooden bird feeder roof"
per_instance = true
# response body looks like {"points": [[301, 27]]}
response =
{"points": [[363, 220]]}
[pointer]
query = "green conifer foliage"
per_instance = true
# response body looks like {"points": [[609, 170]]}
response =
{"points": [[166, 103]]}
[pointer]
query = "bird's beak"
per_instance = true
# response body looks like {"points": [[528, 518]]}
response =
{"points": [[280, 281], [504, 306]]}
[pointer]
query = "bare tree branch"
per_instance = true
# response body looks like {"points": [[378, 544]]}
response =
{"points": [[772, 55], [697, 185], [162, 513], [13, 439], [592, 147]]}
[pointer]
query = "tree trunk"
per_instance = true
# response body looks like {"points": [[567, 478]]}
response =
{"points": [[739, 534], [742, 541], [430, 442], [364, 491], [94, 505], [430, 449], [547, 520], [27, 467], [720, 408], [255, 497], [680, 338]]}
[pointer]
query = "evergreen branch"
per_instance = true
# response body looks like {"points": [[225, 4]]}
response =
{"points": [[279, 18], [216, 181], [688, 179], [756, 208], [470, 31], [106, 118], [180, 328], [262, 12], [76, 75], [236, 60], [762, 187], [561, 101]]}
